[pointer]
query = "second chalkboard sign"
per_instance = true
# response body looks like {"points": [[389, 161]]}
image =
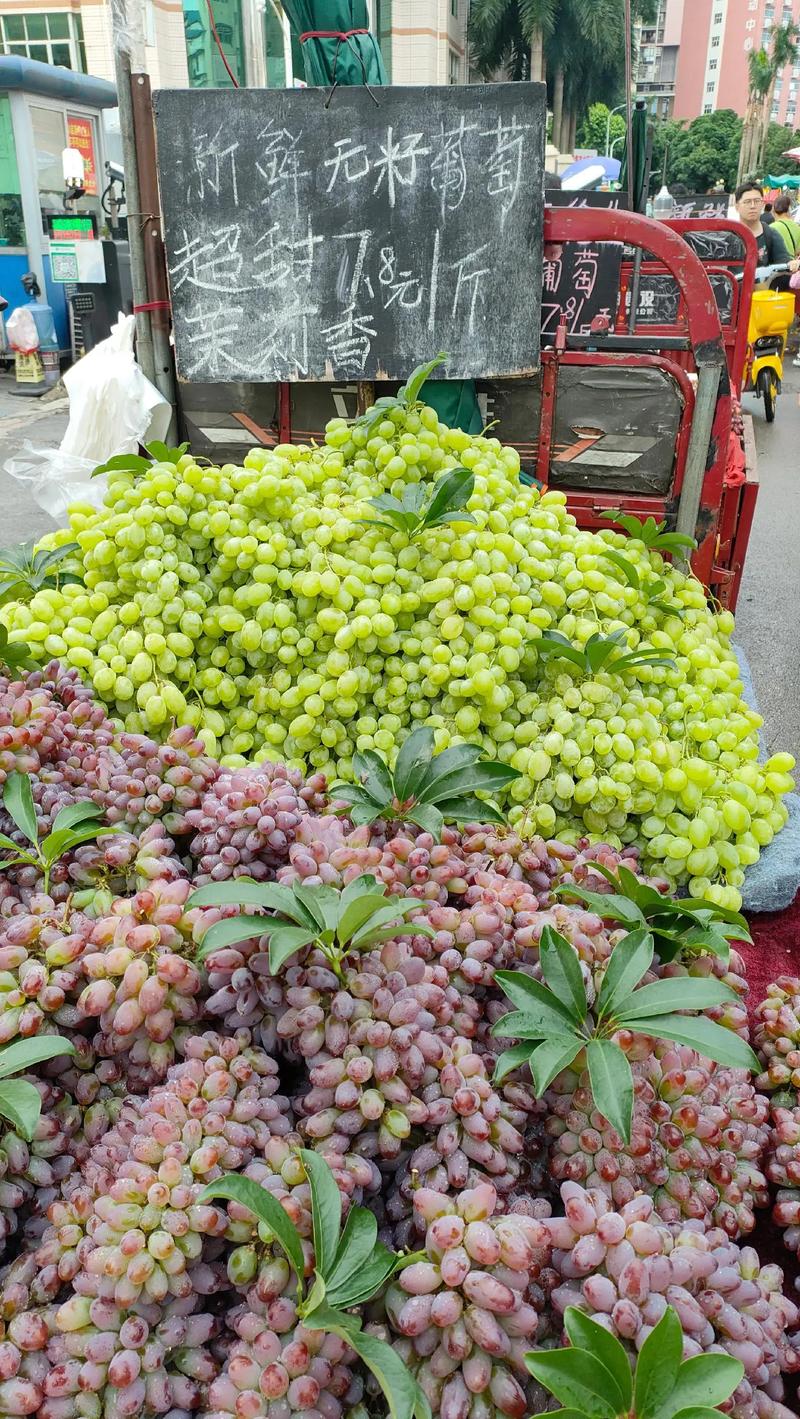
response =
{"points": [[353, 241]]}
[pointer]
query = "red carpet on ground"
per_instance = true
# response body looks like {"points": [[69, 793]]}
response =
{"points": [[775, 950]]}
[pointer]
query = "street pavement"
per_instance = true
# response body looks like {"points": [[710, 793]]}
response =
{"points": [[768, 614]]}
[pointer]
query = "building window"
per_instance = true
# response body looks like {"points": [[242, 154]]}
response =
{"points": [[454, 65], [715, 42], [52, 39], [708, 108], [712, 63], [718, 18], [204, 61], [454, 8], [710, 87]]}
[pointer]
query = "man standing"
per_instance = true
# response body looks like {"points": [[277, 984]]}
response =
{"points": [[750, 207]]}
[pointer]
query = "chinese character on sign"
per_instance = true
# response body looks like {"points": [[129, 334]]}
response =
{"points": [[585, 271], [552, 276], [213, 164], [210, 263], [748, 45], [284, 344], [349, 342], [281, 164], [278, 259], [469, 282], [214, 336], [505, 161], [448, 167], [398, 162], [350, 158], [400, 288]]}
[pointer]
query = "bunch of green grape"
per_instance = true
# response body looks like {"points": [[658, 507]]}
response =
{"points": [[261, 605]]}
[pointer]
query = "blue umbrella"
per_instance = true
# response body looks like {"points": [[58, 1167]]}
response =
{"points": [[588, 172]]}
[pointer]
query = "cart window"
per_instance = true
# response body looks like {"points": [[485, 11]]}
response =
{"points": [[615, 429]]}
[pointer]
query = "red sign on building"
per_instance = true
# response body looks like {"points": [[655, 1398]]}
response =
{"points": [[80, 135]]}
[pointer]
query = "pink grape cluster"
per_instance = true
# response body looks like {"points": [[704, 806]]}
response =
{"points": [[246, 821]]}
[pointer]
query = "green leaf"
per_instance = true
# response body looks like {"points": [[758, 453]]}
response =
{"points": [[55, 845], [630, 959], [326, 1209], [356, 1245], [704, 1381], [402, 1394], [450, 761], [470, 810], [707, 1037], [671, 541], [510, 1060], [394, 912], [562, 972], [697, 1412], [357, 914], [469, 778], [123, 462], [428, 818], [612, 1084], [412, 763], [530, 995], [450, 494], [585, 1334], [560, 1414], [244, 892], [657, 1366], [9, 844], [265, 1207], [320, 903], [75, 813], [363, 808], [550, 1057], [369, 765], [360, 1286], [21, 1104], [532, 1025], [607, 906], [318, 1293], [661, 997], [622, 564], [18, 803], [577, 1378], [230, 931], [22, 1055], [284, 942], [409, 392]]}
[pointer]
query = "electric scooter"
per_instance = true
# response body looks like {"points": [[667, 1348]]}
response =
{"points": [[771, 315]]}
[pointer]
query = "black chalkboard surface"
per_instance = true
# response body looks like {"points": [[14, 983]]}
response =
{"points": [[357, 240]]}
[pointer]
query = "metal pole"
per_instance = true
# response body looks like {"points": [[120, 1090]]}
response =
{"points": [[705, 404], [154, 261], [629, 96], [127, 31]]}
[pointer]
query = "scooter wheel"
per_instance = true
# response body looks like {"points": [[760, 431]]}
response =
{"points": [[768, 388]]}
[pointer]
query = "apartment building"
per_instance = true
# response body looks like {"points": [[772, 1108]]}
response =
{"points": [[716, 39], [657, 58], [422, 41]]}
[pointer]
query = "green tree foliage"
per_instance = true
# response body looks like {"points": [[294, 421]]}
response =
{"points": [[780, 137], [592, 132], [699, 154]]}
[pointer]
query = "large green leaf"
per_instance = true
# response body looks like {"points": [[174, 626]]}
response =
{"points": [[360, 1286], [706, 1036], [22, 1055], [469, 809], [535, 1023], [697, 1412], [409, 392], [18, 803], [244, 892], [630, 959], [560, 1414], [403, 1396], [451, 493], [562, 972], [395, 909], [369, 766], [608, 906], [512, 1059], [75, 813], [550, 1057], [412, 763], [356, 1244], [585, 1334], [704, 1381], [326, 1209], [657, 1366], [56, 844], [265, 1207], [357, 913], [21, 1104], [450, 761], [531, 995], [661, 997], [612, 1084], [284, 942], [480, 777], [624, 565], [231, 930], [428, 818], [576, 1378], [320, 903], [356, 803]]}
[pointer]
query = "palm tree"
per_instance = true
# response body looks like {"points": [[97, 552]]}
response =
{"points": [[510, 35], [764, 68]]}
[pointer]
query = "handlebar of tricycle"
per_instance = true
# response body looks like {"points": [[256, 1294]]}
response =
{"points": [[766, 273]]}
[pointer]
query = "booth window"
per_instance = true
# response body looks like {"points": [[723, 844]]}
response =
{"points": [[205, 64], [50, 38], [53, 131], [12, 225]]}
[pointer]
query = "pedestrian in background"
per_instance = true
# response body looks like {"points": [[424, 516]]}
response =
{"points": [[785, 225]]}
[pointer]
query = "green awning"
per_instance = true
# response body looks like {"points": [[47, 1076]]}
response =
{"points": [[636, 155]]}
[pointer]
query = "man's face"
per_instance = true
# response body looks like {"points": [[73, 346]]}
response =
{"points": [[750, 205]]}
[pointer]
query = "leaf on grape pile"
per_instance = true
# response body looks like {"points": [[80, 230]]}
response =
{"points": [[428, 818], [662, 997], [552, 643], [390, 919], [622, 564], [18, 803], [470, 809], [56, 844], [21, 1104], [586, 1334], [606, 905], [477, 777], [16, 1058], [75, 813], [630, 959], [704, 1382], [357, 912], [163, 454], [356, 802], [361, 1285], [123, 463], [372, 771], [401, 1391], [231, 931], [579, 1379], [562, 972], [707, 1037], [531, 1025], [264, 1207], [356, 1245], [550, 1057], [320, 902], [510, 1060], [530, 996], [409, 392], [449, 498], [286, 941], [326, 1208], [612, 1084], [412, 762], [657, 1367]]}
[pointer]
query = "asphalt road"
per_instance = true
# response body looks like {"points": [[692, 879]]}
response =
{"points": [[768, 614]]}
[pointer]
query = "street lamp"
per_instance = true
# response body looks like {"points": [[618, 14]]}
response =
{"points": [[619, 108], [620, 139]]}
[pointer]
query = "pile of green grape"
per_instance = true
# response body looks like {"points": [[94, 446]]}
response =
{"points": [[261, 605]]}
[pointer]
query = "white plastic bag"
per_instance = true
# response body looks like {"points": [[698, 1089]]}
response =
{"points": [[112, 409], [21, 331]]}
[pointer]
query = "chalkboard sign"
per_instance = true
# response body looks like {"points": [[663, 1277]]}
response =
{"points": [[557, 197], [352, 241], [581, 282], [702, 204], [659, 298]]}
